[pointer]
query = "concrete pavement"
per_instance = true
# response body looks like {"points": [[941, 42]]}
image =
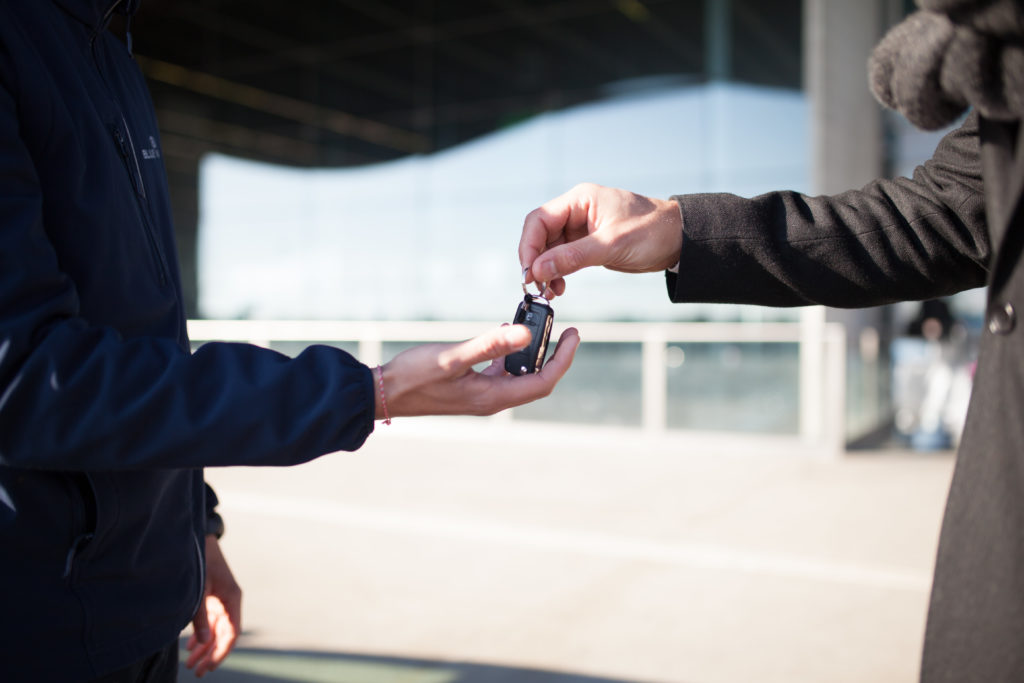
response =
{"points": [[455, 550]]}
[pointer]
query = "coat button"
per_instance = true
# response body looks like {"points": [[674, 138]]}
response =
{"points": [[1001, 318]]}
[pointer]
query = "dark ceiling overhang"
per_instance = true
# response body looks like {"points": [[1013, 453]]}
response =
{"points": [[344, 82]]}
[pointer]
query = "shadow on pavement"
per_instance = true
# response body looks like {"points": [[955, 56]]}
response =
{"points": [[290, 666]]}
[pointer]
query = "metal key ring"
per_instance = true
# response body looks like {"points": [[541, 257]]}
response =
{"points": [[541, 286]]}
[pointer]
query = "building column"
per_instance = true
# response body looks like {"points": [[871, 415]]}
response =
{"points": [[847, 148], [847, 140]]}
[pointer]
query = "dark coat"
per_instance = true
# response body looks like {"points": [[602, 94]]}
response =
{"points": [[106, 418], [898, 240]]}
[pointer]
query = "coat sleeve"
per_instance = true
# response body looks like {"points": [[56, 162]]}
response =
{"points": [[894, 240], [79, 396]]}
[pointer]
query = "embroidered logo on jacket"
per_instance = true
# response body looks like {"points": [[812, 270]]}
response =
{"points": [[152, 152]]}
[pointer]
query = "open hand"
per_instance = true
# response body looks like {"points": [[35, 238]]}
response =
{"points": [[218, 622], [439, 379]]}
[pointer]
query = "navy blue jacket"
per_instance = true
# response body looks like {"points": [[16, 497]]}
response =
{"points": [[106, 418]]}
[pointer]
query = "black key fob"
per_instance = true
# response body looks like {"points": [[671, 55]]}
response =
{"points": [[536, 313]]}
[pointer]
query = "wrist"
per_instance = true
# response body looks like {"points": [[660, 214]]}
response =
{"points": [[382, 411], [671, 216]]}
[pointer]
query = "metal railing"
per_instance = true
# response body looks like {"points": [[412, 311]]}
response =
{"points": [[821, 347]]}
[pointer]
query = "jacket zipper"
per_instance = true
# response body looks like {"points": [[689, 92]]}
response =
{"points": [[126, 147], [128, 156], [200, 558], [83, 497]]}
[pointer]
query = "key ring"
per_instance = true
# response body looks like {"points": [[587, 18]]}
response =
{"points": [[541, 286]]}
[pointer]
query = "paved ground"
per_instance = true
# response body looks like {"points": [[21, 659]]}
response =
{"points": [[454, 551]]}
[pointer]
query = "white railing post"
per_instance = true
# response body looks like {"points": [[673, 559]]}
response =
{"points": [[812, 367], [371, 347], [654, 379], [834, 441]]}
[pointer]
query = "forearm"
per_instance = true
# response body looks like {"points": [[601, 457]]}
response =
{"points": [[86, 399], [893, 240]]}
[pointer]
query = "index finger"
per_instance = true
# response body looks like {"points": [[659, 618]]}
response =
{"points": [[544, 227], [492, 344]]}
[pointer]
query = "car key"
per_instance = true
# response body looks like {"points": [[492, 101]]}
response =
{"points": [[536, 313]]}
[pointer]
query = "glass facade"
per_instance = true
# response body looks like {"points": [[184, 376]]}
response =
{"points": [[690, 97]]}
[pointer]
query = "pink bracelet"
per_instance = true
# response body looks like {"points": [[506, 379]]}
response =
{"points": [[383, 400]]}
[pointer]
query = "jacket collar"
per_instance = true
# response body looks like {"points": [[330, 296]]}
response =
{"points": [[96, 13]]}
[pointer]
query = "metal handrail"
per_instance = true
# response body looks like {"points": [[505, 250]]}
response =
{"points": [[821, 348]]}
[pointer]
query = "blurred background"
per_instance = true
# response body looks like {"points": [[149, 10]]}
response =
{"points": [[713, 493]]}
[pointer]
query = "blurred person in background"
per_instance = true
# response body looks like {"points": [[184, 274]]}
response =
{"points": [[107, 420], [931, 378], [957, 224]]}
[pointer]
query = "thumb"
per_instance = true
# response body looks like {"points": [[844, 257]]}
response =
{"points": [[488, 346], [564, 259]]}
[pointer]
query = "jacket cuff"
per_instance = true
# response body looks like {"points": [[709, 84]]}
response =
{"points": [[672, 274], [214, 525], [214, 522]]}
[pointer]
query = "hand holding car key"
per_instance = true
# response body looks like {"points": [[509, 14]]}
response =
{"points": [[534, 312]]}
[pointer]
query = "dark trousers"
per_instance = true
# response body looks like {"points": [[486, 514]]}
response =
{"points": [[160, 667]]}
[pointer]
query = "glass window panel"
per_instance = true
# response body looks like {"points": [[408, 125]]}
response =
{"points": [[734, 387], [603, 386]]}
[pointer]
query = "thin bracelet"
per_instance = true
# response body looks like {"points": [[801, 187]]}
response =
{"points": [[383, 400]]}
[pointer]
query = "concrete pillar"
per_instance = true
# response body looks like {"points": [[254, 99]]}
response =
{"points": [[848, 151], [847, 138], [847, 143]]}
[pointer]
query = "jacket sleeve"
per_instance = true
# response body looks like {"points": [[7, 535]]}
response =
{"points": [[893, 240], [80, 396]]}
